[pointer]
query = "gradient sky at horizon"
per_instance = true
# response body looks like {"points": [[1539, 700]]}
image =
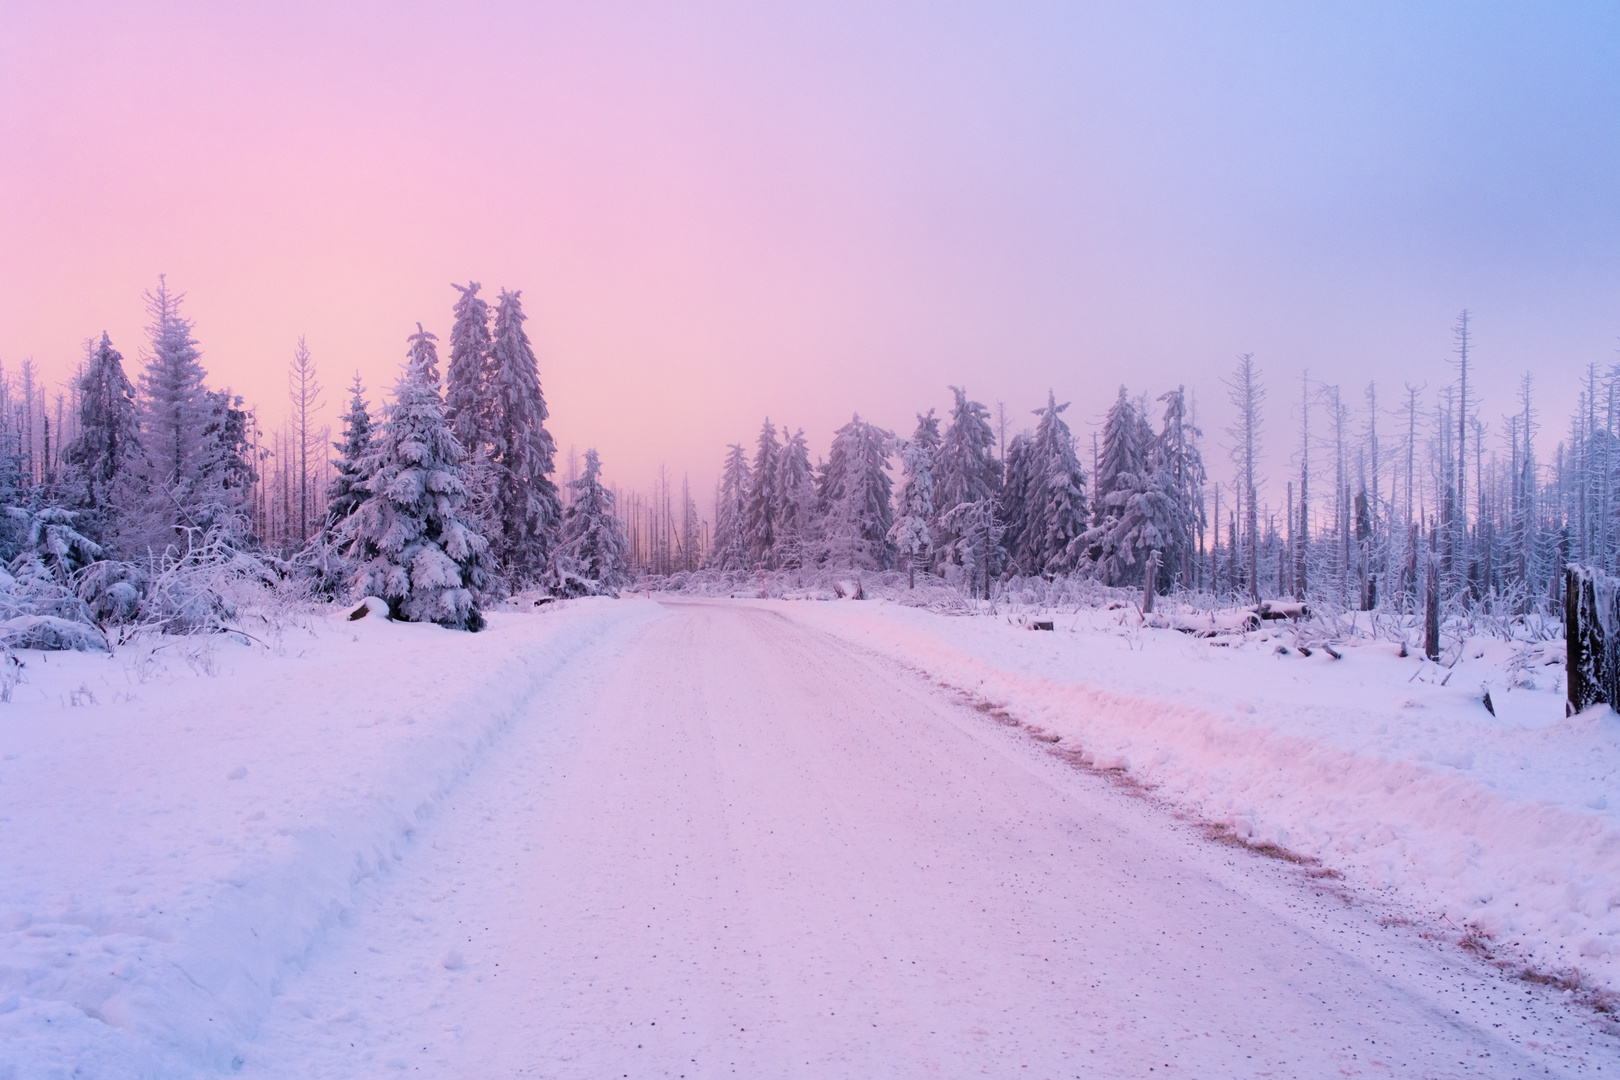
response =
{"points": [[719, 212]]}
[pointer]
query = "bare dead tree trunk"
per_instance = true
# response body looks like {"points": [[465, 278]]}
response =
{"points": [[304, 392]]}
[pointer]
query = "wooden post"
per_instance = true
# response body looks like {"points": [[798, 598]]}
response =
{"points": [[1150, 574]]}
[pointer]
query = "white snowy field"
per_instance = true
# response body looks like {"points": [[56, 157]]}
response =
{"points": [[717, 837], [181, 822]]}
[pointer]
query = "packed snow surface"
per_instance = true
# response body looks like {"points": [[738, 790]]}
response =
{"points": [[1389, 770], [701, 838]]}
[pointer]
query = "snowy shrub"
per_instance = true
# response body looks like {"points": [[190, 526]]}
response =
{"points": [[111, 590], [50, 632], [39, 612], [31, 589], [562, 582], [49, 536]]}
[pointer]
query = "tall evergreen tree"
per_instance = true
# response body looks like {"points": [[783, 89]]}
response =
{"points": [[593, 539], [410, 540], [965, 466], [1121, 513], [1178, 471], [193, 439], [763, 500], [977, 543], [729, 550], [855, 495], [343, 495], [466, 391], [522, 454], [101, 458], [796, 504], [422, 357], [1018, 489], [910, 534], [174, 407], [1055, 498]]}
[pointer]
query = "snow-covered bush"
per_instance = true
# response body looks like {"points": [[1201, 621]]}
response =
{"points": [[112, 590], [50, 536]]}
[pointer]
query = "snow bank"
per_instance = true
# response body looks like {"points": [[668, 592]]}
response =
{"points": [[181, 821], [1390, 770]]}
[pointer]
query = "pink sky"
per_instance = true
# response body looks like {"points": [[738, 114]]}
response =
{"points": [[718, 213]]}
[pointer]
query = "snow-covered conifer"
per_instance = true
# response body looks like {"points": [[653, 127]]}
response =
{"points": [[976, 543], [796, 532], [910, 534], [1125, 511], [422, 357], [855, 496], [522, 455], [410, 540], [593, 538], [965, 467], [193, 439], [466, 389], [1017, 489], [1054, 498], [343, 495], [759, 526], [101, 457], [1178, 471], [730, 544]]}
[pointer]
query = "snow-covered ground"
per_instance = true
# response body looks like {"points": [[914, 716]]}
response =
{"points": [[1390, 770], [623, 837], [182, 822]]}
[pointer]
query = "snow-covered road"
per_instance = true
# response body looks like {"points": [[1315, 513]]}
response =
{"points": [[726, 844]]}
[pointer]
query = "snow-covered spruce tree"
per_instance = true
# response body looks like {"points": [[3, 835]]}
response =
{"points": [[192, 441], [1054, 500], [522, 455], [976, 543], [229, 452], [855, 497], [1178, 471], [422, 357], [965, 467], [410, 541], [102, 456], [796, 531], [729, 549], [910, 534], [343, 496], [759, 523], [466, 391], [594, 544], [1120, 537], [927, 436], [1017, 488]]}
